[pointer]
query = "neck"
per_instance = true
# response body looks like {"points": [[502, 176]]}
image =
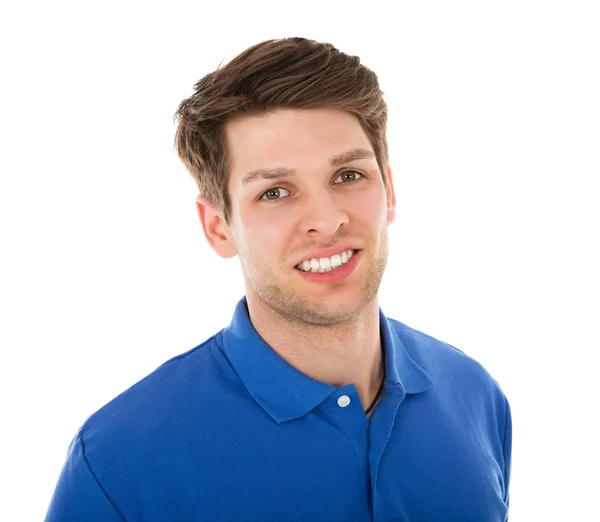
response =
{"points": [[338, 354]]}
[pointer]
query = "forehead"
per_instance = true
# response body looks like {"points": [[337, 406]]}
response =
{"points": [[299, 139]]}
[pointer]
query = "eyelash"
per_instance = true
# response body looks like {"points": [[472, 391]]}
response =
{"points": [[261, 198]]}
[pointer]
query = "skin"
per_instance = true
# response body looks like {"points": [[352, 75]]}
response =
{"points": [[330, 332]]}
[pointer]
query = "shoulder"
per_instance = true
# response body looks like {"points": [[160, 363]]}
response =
{"points": [[161, 398], [462, 387], [444, 363]]}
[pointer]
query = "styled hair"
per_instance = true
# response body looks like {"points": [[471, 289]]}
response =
{"points": [[287, 73]]}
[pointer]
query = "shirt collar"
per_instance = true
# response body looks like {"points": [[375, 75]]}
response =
{"points": [[284, 392]]}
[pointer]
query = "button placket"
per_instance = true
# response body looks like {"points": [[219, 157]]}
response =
{"points": [[348, 415]]}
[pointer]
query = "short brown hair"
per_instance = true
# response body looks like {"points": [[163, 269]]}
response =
{"points": [[287, 73]]}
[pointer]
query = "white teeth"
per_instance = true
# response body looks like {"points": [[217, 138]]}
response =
{"points": [[325, 264]]}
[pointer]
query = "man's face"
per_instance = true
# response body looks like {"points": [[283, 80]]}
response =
{"points": [[276, 223]]}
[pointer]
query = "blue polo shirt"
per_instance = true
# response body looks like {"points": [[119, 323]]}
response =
{"points": [[229, 431]]}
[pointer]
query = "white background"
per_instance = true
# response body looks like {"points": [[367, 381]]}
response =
{"points": [[494, 139]]}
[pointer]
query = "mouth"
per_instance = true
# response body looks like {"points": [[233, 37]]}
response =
{"points": [[332, 275], [329, 268]]}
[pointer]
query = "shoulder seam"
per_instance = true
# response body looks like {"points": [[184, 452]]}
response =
{"points": [[87, 463], [192, 350], [426, 335]]}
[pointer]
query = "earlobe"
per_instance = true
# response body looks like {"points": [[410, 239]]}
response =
{"points": [[217, 233]]}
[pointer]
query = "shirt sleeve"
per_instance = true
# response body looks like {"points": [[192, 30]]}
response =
{"points": [[507, 449], [78, 495]]}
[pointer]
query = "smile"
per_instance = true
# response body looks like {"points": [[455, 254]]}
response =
{"points": [[326, 264]]}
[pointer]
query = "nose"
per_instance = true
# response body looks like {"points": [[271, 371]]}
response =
{"points": [[323, 214]]}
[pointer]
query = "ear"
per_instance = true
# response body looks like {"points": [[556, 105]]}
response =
{"points": [[391, 197], [216, 231]]}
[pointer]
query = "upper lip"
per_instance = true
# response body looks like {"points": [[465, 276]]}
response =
{"points": [[327, 252]]}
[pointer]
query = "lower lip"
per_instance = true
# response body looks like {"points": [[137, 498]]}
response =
{"points": [[335, 275]]}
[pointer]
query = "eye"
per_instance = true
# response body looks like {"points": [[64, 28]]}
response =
{"points": [[274, 190], [277, 190], [350, 172]]}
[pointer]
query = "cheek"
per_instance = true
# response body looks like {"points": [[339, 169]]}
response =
{"points": [[265, 234], [372, 209]]}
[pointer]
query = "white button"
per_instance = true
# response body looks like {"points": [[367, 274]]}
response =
{"points": [[343, 401]]}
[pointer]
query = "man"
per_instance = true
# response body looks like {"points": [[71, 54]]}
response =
{"points": [[312, 404]]}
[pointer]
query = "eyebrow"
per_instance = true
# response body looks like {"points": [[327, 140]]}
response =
{"points": [[284, 172]]}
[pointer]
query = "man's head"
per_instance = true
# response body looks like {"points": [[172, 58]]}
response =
{"points": [[315, 118], [289, 73]]}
